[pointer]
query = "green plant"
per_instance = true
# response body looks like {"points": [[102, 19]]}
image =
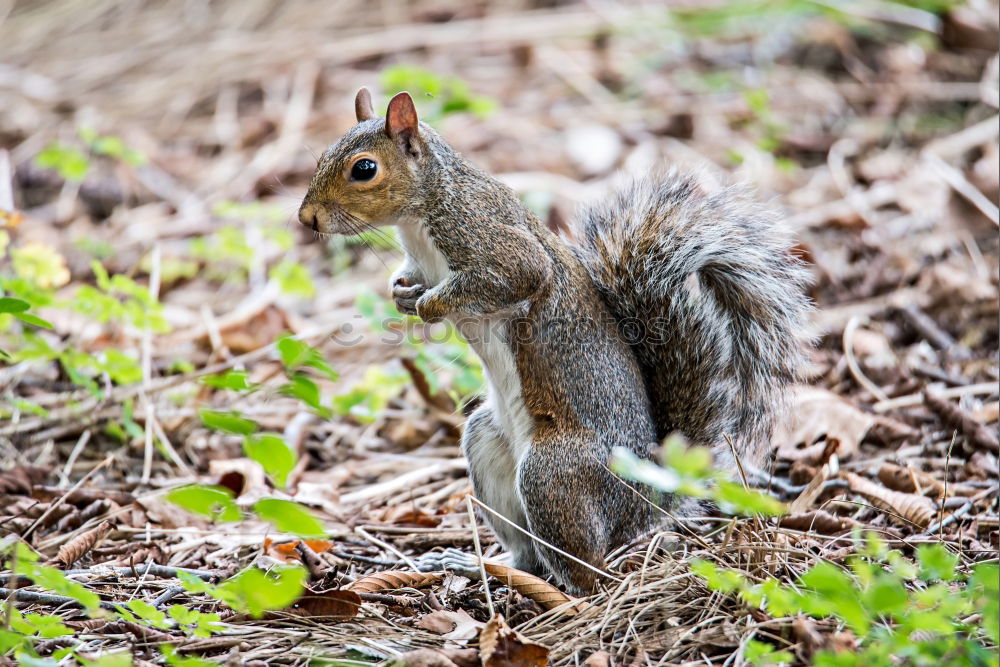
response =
{"points": [[437, 95], [688, 471], [921, 612]]}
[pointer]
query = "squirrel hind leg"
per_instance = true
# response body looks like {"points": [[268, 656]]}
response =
{"points": [[492, 469], [575, 504]]}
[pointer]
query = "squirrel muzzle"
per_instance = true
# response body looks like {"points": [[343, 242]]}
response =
{"points": [[327, 218]]}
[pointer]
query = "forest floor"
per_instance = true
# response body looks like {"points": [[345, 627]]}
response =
{"points": [[171, 144]]}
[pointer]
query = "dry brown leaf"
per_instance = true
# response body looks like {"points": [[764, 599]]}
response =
{"points": [[501, 646], [598, 659], [288, 552], [408, 515], [906, 480], [455, 625], [532, 587], [816, 413], [819, 521], [336, 603], [78, 547], [953, 415], [918, 510], [393, 580], [239, 475], [809, 494], [20, 479], [429, 657]]}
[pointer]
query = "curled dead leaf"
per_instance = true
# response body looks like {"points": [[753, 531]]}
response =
{"points": [[909, 480], [78, 547], [819, 521], [501, 646], [918, 510], [393, 580], [532, 587]]}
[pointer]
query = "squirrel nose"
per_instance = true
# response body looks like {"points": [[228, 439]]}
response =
{"points": [[308, 217]]}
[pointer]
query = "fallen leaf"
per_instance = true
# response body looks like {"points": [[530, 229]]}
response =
{"points": [[501, 646], [913, 509], [530, 586], [336, 603], [393, 580], [816, 413], [819, 521], [429, 657], [456, 625], [408, 515], [20, 479], [598, 659]]}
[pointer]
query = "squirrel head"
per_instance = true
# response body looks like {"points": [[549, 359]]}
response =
{"points": [[371, 176]]}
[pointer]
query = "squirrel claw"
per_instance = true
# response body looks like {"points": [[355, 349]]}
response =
{"points": [[406, 296]]}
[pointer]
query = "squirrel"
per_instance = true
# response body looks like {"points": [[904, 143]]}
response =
{"points": [[673, 310]]}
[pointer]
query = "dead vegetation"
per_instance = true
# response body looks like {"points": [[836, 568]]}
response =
{"points": [[875, 129]]}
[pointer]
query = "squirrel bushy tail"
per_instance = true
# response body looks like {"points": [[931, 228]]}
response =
{"points": [[710, 298]]}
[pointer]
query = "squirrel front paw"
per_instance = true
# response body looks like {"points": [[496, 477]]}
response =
{"points": [[406, 296], [430, 307]]}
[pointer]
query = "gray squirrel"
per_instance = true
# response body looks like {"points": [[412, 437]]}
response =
{"points": [[673, 310]]}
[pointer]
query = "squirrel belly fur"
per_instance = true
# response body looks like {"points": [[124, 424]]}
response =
{"points": [[671, 310]]}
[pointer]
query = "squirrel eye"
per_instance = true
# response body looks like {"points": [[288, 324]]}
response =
{"points": [[364, 170]]}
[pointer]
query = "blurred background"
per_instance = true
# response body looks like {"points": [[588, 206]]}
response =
{"points": [[153, 155], [194, 127]]}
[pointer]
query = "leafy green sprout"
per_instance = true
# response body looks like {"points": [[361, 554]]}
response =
{"points": [[921, 611], [436, 95]]}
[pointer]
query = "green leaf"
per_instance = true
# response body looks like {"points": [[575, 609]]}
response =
{"points": [[936, 562], [230, 422], [175, 659], [231, 380], [734, 498], [718, 579], [28, 318], [760, 654], [69, 161], [293, 278], [307, 391], [214, 502], [11, 305], [886, 596], [271, 452], [148, 613], [296, 354], [289, 517], [52, 579], [253, 592], [984, 586]]}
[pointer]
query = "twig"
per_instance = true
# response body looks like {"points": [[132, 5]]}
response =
{"points": [[962, 186], [543, 542], [953, 415], [951, 392], [479, 555], [63, 497], [22, 595], [77, 449], [852, 363], [388, 547]]}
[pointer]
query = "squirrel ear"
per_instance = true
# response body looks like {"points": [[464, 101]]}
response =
{"points": [[401, 123], [363, 105]]}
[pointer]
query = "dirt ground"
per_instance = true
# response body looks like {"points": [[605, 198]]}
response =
{"points": [[874, 128]]}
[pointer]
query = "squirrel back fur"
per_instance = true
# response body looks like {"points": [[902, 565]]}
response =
{"points": [[708, 294]]}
